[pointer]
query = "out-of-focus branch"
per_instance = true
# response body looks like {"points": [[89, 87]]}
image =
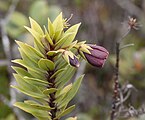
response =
{"points": [[7, 50], [5, 39], [5, 101], [4, 62], [132, 112], [116, 79], [131, 8]]}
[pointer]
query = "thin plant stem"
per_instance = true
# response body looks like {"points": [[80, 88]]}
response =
{"points": [[126, 33], [125, 46], [116, 82], [116, 79]]}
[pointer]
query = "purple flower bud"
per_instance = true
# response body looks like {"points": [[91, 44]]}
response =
{"points": [[98, 55], [74, 62]]}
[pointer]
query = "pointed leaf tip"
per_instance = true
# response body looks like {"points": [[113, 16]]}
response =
{"points": [[35, 26]]}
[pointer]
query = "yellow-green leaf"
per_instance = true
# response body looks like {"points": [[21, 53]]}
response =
{"points": [[21, 71], [64, 38], [64, 90], [71, 93], [29, 50], [35, 26], [37, 105], [48, 37], [49, 91], [35, 72], [36, 82], [30, 109], [27, 88], [35, 34], [58, 23], [60, 94], [50, 29], [46, 64], [68, 73], [57, 72], [74, 30], [58, 26], [27, 58], [66, 111], [52, 53], [39, 47]]}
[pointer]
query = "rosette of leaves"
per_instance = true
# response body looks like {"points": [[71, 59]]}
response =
{"points": [[46, 68]]}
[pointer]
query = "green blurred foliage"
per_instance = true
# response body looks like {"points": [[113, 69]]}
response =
{"points": [[4, 6], [4, 82], [10, 117], [83, 117], [5, 112], [43, 11], [14, 28]]}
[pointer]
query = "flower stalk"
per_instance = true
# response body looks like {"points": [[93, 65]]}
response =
{"points": [[116, 82], [132, 24]]}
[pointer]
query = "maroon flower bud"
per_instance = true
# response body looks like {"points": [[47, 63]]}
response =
{"points": [[98, 55], [74, 62]]}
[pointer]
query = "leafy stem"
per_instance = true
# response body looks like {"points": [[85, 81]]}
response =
{"points": [[51, 82], [52, 97]]}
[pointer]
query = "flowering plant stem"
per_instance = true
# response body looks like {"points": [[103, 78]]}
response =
{"points": [[49, 66], [116, 82], [116, 79]]}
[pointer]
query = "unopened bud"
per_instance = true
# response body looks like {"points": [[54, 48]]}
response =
{"points": [[74, 62], [98, 55]]}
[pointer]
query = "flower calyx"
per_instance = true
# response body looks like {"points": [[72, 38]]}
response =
{"points": [[70, 58]]}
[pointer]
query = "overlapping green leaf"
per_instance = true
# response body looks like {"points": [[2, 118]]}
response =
{"points": [[58, 26], [50, 29], [49, 91], [71, 93], [48, 37], [37, 105], [28, 88], [52, 53], [57, 73], [25, 57], [46, 64], [66, 111], [68, 73], [30, 51], [35, 72], [64, 38], [39, 47], [35, 34], [35, 26], [63, 90], [36, 82], [61, 93], [40, 114], [69, 36], [21, 71]]}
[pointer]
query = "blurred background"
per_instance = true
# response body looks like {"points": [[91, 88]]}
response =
{"points": [[103, 22]]}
